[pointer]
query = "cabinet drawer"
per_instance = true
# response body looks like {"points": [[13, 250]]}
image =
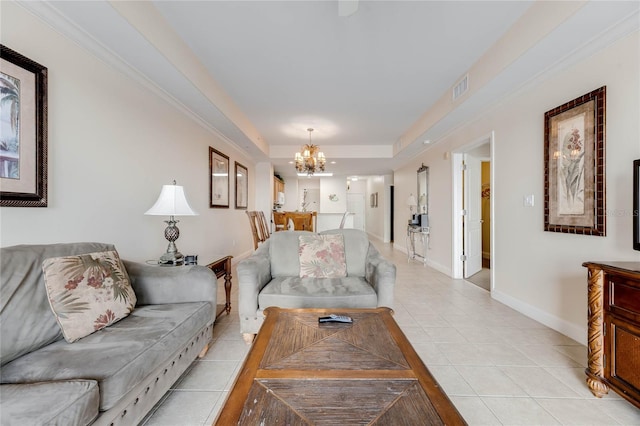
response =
{"points": [[624, 299], [624, 367]]}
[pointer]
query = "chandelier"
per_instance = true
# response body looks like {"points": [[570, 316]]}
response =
{"points": [[311, 159]]}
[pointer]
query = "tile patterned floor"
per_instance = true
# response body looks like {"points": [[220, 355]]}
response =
{"points": [[497, 366]]}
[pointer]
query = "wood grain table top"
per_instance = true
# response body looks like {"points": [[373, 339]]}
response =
{"points": [[300, 372]]}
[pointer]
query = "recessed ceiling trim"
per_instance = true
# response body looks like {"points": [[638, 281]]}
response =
{"points": [[49, 14]]}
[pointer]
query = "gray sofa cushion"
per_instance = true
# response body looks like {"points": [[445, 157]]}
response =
{"points": [[119, 356], [283, 248], [294, 292], [26, 320], [72, 402], [285, 261]]}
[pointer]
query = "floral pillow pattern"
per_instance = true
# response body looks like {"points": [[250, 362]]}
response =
{"points": [[87, 292], [322, 256]]}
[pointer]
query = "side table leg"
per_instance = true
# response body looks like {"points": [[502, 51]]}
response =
{"points": [[423, 239], [227, 289], [595, 343]]}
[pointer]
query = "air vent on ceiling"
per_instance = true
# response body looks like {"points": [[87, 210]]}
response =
{"points": [[461, 87]]}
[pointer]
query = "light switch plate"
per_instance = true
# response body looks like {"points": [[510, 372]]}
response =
{"points": [[528, 200]]}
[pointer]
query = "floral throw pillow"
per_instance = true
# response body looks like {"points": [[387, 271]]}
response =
{"points": [[322, 256], [87, 292]]}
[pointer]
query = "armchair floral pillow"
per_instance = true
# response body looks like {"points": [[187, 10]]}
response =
{"points": [[322, 256], [87, 292]]}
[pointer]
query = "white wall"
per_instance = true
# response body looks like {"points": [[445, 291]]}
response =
{"points": [[376, 215], [112, 145], [333, 188], [313, 194], [537, 272], [290, 195]]}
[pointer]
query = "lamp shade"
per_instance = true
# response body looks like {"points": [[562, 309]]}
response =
{"points": [[171, 202]]}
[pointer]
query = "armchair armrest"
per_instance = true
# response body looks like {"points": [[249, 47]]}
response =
{"points": [[253, 274], [381, 274], [155, 285]]}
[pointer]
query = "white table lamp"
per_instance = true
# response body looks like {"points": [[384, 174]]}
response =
{"points": [[171, 202]]}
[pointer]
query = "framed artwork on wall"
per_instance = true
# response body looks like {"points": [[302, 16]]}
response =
{"points": [[23, 131], [242, 186], [574, 169], [218, 179], [636, 204]]}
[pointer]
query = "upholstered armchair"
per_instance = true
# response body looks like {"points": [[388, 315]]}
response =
{"points": [[286, 272]]}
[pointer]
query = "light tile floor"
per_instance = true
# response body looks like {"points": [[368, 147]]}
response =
{"points": [[498, 367]]}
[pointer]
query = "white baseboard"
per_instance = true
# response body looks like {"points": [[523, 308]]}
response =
{"points": [[435, 265], [579, 334], [400, 247], [375, 237], [440, 267]]}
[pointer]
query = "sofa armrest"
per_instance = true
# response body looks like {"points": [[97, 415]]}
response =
{"points": [[381, 274], [155, 285], [253, 274]]}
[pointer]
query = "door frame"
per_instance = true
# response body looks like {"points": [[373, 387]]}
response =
{"points": [[457, 265]]}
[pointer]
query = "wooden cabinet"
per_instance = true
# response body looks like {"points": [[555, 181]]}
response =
{"points": [[278, 186], [614, 329]]}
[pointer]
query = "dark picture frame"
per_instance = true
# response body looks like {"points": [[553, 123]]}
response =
{"points": [[574, 168], [636, 204], [242, 186], [218, 179], [23, 148]]}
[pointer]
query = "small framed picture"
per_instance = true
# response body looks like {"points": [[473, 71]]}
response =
{"points": [[242, 186], [218, 179]]}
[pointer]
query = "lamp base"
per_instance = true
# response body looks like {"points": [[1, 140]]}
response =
{"points": [[172, 259]]}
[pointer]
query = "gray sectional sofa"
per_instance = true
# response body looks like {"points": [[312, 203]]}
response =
{"points": [[113, 376], [271, 277]]}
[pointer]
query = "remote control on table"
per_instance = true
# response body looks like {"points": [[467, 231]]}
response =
{"points": [[335, 318]]}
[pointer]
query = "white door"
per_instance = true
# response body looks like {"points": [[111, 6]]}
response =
{"points": [[472, 221], [355, 205]]}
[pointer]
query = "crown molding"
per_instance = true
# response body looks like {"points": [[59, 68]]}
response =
{"points": [[59, 22]]}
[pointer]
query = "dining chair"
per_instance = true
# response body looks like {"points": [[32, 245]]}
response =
{"points": [[259, 227], [344, 219], [301, 221], [279, 221]]}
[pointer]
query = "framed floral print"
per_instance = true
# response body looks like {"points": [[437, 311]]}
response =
{"points": [[242, 186], [574, 170], [23, 131], [218, 179]]}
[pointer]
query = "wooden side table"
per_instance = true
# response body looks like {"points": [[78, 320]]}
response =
{"points": [[222, 267]]}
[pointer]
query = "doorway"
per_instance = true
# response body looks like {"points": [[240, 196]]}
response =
{"points": [[472, 169]]}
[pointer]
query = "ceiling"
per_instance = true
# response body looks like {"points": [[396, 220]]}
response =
{"points": [[374, 84]]}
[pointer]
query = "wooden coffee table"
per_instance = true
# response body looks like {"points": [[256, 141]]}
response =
{"points": [[299, 372]]}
